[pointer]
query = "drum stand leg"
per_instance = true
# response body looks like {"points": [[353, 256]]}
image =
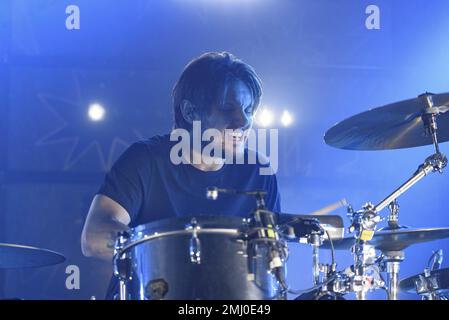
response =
{"points": [[316, 242], [121, 264], [123, 292], [361, 295], [364, 256], [393, 261]]}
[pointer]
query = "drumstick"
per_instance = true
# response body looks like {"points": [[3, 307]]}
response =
{"points": [[330, 208]]}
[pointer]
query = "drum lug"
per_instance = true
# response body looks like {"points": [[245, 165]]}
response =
{"points": [[121, 261], [195, 243], [122, 264]]}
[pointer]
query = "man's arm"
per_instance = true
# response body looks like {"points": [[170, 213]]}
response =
{"points": [[105, 219]]}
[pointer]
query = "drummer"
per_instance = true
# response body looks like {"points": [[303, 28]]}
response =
{"points": [[145, 185]]}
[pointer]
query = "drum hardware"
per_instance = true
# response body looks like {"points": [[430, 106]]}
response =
{"points": [[363, 258], [262, 232], [390, 127], [428, 285], [435, 260], [261, 220], [195, 244], [312, 230], [212, 194], [333, 286], [306, 229], [391, 243], [315, 242], [360, 283], [433, 283], [296, 227], [392, 260], [434, 163], [121, 264], [429, 117], [328, 290], [393, 217], [363, 225], [264, 222]]}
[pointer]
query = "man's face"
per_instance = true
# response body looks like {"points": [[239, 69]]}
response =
{"points": [[236, 113]]}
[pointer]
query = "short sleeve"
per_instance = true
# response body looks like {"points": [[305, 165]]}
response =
{"points": [[124, 183]]}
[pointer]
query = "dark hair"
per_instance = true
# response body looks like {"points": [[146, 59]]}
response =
{"points": [[204, 80]]}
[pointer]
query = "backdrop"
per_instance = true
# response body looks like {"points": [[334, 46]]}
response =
{"points": [[322, 60]]}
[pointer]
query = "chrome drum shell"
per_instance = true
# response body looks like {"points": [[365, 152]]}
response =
{"points": [[195, 258]]}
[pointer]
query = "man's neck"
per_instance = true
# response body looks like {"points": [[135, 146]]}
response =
{"points": [[206, 163]]}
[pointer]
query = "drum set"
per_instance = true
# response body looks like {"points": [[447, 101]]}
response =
{"points": [[233, 258], [210, 257]]}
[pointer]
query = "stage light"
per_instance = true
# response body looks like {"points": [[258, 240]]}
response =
{"points": [[286, 118], [264, 117], [96, 112]]}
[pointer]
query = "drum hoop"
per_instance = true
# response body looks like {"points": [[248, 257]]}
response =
{"points": [[156, 235]]}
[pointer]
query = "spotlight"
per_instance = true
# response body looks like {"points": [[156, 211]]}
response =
{"points": [[286, 118], [264, 118], [96, 112]]}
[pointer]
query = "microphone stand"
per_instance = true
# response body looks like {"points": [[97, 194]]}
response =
{"points": [[264, 222]]}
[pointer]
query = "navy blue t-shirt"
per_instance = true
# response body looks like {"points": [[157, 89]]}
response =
{"points": [[150, 187]]}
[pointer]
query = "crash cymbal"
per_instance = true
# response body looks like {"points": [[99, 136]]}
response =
{"points": [[393, 126], [18, 256], [439, 280], [394, 240]]}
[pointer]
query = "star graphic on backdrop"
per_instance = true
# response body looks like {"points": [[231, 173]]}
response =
{"points": [[84, 135]]}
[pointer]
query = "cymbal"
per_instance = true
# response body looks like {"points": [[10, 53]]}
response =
{"points": [[393, 126], [394, 240], [439, 278], [19, 256]]}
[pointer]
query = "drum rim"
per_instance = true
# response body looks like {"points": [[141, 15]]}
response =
{"points": [[147, 232], [164, 224]]}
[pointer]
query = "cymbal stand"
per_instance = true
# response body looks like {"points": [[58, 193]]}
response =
{"points": [[434, 163], [364, 222], [363, 225], [315, 241], [393, 261]]}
